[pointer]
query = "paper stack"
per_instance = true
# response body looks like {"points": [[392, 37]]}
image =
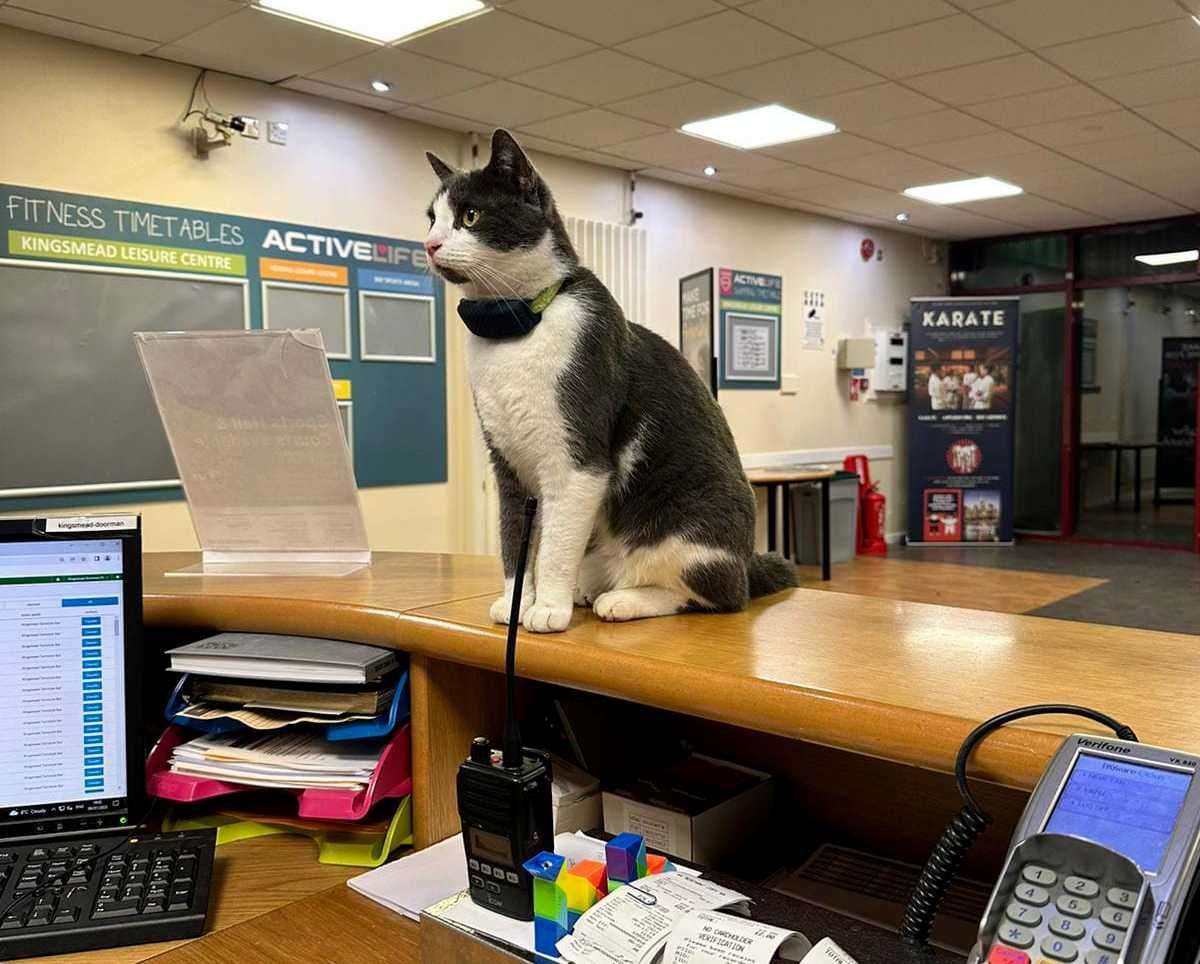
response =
{"points": [[293, 760], [319, 724]]}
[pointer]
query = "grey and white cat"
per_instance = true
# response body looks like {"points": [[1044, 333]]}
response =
{"points": [[644, 509]]}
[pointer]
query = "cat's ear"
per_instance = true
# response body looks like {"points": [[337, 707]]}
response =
{"points": [[509, 161], [443, 170]]}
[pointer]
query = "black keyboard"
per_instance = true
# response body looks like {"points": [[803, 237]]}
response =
{"points": [[106, 892]]}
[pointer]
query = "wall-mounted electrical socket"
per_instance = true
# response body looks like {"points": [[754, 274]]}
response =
{"points": [[252, 127], [277, 132]]}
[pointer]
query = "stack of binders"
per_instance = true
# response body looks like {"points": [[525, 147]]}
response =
{"points": [[289, 734]]}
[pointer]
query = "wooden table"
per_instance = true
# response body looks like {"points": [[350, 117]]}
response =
{"points": [[871, 696], [775, 480], [1137, 448]]}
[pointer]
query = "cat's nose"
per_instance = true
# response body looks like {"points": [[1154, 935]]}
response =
{"points": [[432, 247]]}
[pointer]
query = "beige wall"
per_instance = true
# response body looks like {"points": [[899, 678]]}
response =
{"points": [[93, 121]]}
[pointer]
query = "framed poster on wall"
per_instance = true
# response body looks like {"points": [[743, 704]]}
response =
{"points": [[751, 322], [696, 325]]}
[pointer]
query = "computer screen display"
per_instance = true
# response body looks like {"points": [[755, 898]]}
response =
{"points": [[63, 731], [1128, 807]]}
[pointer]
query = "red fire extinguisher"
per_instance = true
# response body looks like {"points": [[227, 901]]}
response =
{"points": [[874, 516], [872, 508]]}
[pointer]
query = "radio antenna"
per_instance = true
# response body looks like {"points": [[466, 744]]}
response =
{"points": [[513, 754]]}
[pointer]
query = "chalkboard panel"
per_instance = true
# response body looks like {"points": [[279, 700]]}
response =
{"points": [[70, 372]]}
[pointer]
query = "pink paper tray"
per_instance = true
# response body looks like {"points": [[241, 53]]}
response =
{"points": [[392, 778]]}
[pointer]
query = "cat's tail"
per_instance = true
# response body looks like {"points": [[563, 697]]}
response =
{"points": [[769, 572]]}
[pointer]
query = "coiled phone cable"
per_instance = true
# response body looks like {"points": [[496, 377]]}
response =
{"points": [[969, 823]]}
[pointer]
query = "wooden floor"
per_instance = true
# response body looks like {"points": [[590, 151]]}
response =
{"points": [[947, 584]]}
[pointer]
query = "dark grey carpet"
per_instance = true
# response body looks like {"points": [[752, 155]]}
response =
{"points": [[1146, 588]]}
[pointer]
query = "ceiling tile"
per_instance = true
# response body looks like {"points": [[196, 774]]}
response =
{"points": [[940, 125], [1049, 105], [1145, 144], [1035, 23], [1021, 168], [608, 160], [1030, 211], [714, 45], [1137, 207], [679, 105], [531, 142], [870, 105], [781, 180], [1174, 113], [344, 94], [423, 115], [498, 43], [949, 42], [992, 80], [75, 31], [593, 128], [814, 150], [894, 170], [413, 78], [825, 22], [161, 20], [967, 151], [792, 80], [1173, 42], [1153, 86], [954, 221], [681, 152], [504, 104], [1176, 176], [1153, 171], [1094, 127], [613, 21], [263, 46], [852, 196], [601, 77]]}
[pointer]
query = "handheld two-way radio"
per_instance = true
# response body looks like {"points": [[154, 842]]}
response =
{"points": [[504, 803]]}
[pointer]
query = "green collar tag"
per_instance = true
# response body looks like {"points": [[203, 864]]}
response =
{"points": [[544, 297]]}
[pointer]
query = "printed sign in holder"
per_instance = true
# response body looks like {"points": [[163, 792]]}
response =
{"points": [[697, 337], [962, 364], [255, 430], [751, 322]]}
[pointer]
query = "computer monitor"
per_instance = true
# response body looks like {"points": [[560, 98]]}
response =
{"points": [[71, 759]]}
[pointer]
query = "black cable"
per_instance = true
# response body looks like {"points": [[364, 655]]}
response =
{"points": [[961, 833], [512, 732]]}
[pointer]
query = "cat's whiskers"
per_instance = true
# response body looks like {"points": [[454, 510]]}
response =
{"points": [[485, 282]]}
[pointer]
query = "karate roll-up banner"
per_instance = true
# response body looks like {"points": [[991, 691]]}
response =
{"points": [[962, 362]]}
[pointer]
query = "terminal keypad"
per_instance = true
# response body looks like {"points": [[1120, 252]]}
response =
{"points": [[1054, 917]]}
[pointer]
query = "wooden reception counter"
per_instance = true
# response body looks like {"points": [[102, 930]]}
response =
{"points": [[894, 681]]}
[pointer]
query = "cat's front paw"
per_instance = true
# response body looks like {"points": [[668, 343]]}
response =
{"points": [[502, 608], [547, 618]]}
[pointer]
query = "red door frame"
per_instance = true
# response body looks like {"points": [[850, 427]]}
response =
{"points": [[1072, 290]]}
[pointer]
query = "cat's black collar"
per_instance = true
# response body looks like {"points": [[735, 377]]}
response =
{"points": [[506, 317]]}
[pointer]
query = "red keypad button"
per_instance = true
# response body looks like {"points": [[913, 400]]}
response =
{"points": [[1007, 955]]}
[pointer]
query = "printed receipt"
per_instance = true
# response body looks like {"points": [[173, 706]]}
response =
{"points": [[631, 926], [704, 937]]}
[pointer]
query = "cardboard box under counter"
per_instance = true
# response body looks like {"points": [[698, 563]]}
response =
{"points": [[697, 810]]}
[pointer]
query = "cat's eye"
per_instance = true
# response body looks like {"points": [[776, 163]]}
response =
{"points": [[471, 217]]}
